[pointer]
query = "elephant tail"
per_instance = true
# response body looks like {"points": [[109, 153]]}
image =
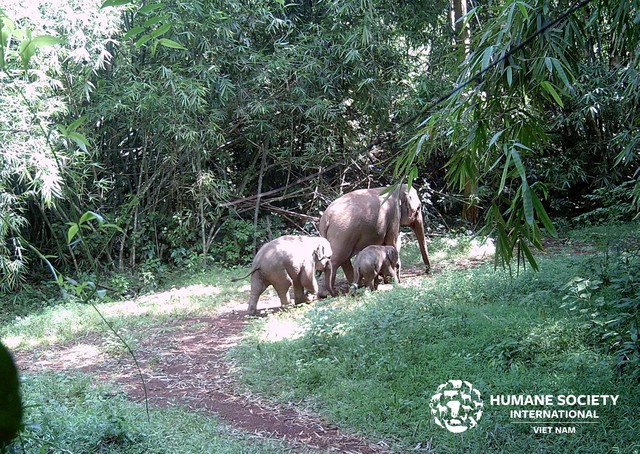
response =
{"points": [[236, 279], [323, 225]]}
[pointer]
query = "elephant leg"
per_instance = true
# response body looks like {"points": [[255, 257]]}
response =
{"points": [[339, 259], [330, 279], [298, 293], [388, 272], [328, 282], [308, 281], [356, 277], [370, 281], [391, 240], [283, 293], [258, 286], [398, 244], [347, 267]]}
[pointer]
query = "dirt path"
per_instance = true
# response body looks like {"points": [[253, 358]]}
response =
{"points": [[184, 363]]}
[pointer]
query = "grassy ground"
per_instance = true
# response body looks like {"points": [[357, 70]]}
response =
{"points": [[374, 361], [71, 414]]}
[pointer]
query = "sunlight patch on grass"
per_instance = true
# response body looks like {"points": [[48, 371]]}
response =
{"points": [[245, 288], [461, 247], [481, 248], [277, 329], [77, 356], [161, 303], [68, 321]]}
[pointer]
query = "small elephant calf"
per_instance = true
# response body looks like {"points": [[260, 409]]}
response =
{"points": [[286, 261], [375, 261]]}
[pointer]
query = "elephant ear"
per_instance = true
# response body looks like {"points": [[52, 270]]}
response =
{"points": [[320, 253], [392, 255], [409, 206], [325, 248]]}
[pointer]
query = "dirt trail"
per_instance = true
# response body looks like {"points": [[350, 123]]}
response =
{"points": [[184, 363]]}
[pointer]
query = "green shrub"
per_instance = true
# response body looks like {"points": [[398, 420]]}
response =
{"points": [[609, 302], [610, 205]]}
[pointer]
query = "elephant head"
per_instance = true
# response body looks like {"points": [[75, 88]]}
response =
{"points": [[322, 255], [392, 256]]}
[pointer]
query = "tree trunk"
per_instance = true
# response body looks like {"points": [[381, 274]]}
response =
{"points": [[263, 163], [463, 45], [462, 31]]}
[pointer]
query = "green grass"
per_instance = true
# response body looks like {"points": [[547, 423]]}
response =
{"points": [[71, 414], [372, 362]]}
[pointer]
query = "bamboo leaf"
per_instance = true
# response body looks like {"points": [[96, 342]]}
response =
{"points": [[523, 10], [79, 140], [90, 215], [171, 44], [146, 9], [547, 62], [561, 72], [72, 232], [505, 172], [515, 154], [115, 3], [160, 30], [143, 40], [75, 124], [548, 86], [522, 245], [543, 216], [112, 226], [486, 57], [154, 21], [413, 174], [527, 203], [495, 138], [134, 31]]}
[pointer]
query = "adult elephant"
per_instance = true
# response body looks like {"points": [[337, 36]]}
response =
{"points": [[367, 217]]}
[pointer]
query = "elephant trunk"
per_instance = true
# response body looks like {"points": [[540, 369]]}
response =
{"points": [[418, 228]]}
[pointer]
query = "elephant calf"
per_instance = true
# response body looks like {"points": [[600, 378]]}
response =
{"points": [[286, 261], [375, 261]]}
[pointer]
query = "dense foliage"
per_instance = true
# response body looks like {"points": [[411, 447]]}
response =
{"points": [[167, 119], [551, 111], [158, 117]]}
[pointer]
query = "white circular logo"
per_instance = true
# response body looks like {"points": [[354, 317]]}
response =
{"points": [[456, 406]]}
